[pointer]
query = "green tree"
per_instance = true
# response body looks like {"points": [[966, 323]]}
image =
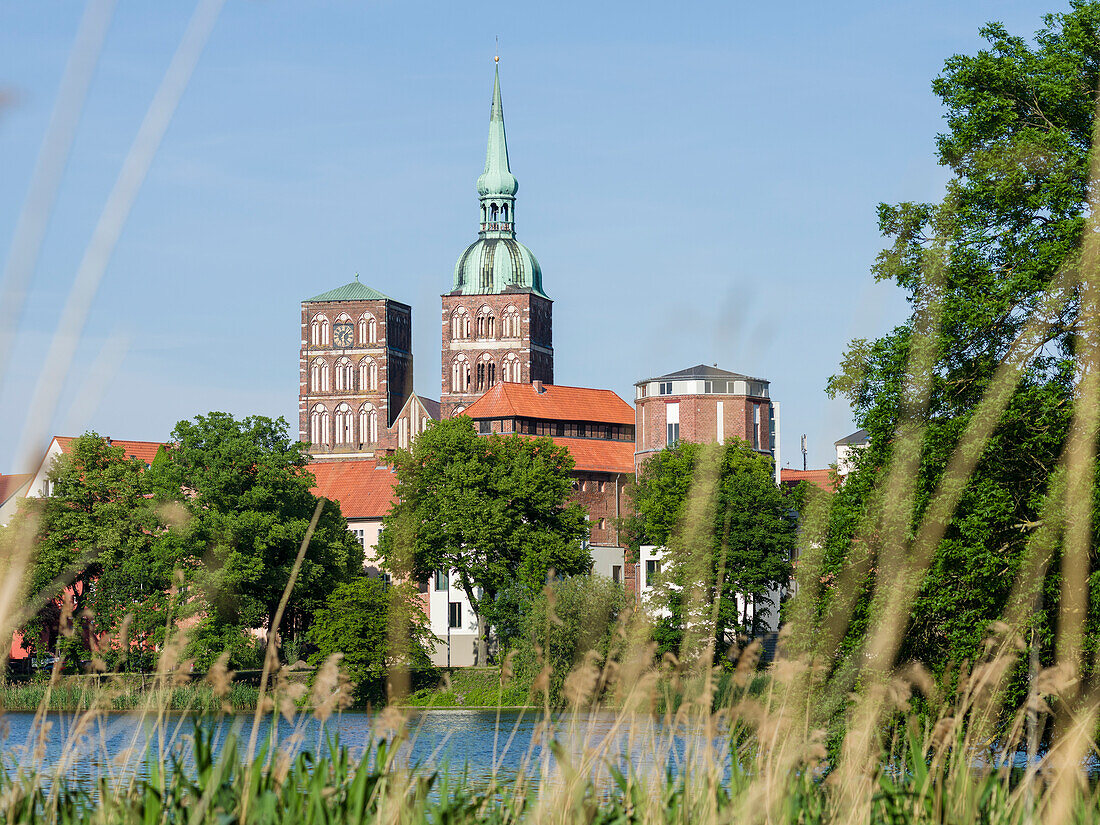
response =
{"points": [[492, 509], [569, 618], [246, 490], [97, 533], [747, 543], [987, 259], [368, 622]]}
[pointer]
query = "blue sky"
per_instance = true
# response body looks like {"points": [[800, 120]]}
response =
{"points": [[698, 180]]}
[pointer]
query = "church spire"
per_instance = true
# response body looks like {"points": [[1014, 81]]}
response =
{"points": [[497, 186]]}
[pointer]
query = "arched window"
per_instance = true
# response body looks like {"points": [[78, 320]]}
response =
{"points": [[368, 329], [509, 368], [318, 375], [345, 376], [486, 323], [368, 424], [319, 426], [368, 374], [509, 323], [460, 324], [492, 211], [344, 423], [318, 331], [460, 374], [486, 372], [504, 212]]}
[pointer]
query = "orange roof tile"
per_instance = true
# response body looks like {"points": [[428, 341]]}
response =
{"points": [[144, 451], [555, 403], [364, 487], [597, 455], [10, 484], [825, 479]]}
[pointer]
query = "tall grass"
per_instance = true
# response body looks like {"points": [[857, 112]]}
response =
{"points": [[684, 740]]}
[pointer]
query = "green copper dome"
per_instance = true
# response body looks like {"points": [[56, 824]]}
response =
{"points": [[490, 266], [496, 262]]}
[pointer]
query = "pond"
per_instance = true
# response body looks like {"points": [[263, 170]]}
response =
{"points": [[471, 742]]}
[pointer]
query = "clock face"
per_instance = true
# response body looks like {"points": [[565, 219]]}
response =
{"points": [[341, 334]]}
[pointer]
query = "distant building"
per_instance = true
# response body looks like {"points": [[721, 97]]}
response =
{"points": [[12, 489], [355, 371], [705, 405], [364, 490], [846, 451]]}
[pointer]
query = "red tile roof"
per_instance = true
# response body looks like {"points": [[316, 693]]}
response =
{"points": [[554, 403], [596, 455], [825, 479], [364, 487], [144, 451], [10, 484]]}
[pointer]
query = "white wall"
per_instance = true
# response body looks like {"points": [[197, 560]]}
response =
{"points": [[463, 639]]}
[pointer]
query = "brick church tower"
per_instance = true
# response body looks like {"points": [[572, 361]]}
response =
{"points": [[355, 371], [497, 321]]}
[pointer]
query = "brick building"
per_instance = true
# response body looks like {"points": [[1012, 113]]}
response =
{"points": [[597, 427], [497, 321], [354, 372], [705, 405]]}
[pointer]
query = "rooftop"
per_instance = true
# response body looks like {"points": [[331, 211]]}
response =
{"points": [[508, 399], [364, 487], [700, 372], [858, 437], [824, 479], [10, 484], [598, 456], [354, 291], [144, 451]]}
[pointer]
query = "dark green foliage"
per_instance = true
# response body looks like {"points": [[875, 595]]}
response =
{"points": [[1020, 119], [570, 618], [750, 539], [247, 495], [374, 626], [493, 509], [98, 531]]}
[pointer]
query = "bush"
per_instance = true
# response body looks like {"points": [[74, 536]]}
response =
{"points": [[569, 618]]}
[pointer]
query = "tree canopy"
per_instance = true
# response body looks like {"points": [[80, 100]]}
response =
{"points": [[493, 509], [748, 538], [977, 268], [246, 491]]}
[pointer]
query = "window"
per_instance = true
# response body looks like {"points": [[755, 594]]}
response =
{"points": [[441, 580], [460, 324], [643, 390], [652, 569], [484, 426], [319, 426], [454, 618], [368, 424], [343, 418], [368, 374], [672, 436], [756, 426], [617, 573], [486, 323], [318, 375], [672, 424], [345, 376], [460, 375], [360, 536], [665, 388], [600, 524], [714, 386], [509, 324], [318, 331], [510, 368]]}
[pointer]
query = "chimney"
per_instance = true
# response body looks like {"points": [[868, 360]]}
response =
{"points": [[538, 387]]}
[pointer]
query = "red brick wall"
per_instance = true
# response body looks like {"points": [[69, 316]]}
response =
{"points": [[391, 352], [533, 348], [698, 420]]}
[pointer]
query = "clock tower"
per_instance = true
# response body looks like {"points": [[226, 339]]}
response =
{"points": [[497, 321], [355, 371]]}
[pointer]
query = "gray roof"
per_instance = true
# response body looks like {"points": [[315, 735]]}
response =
{"points": [[858, 437], [700, 371], [431, 406]]}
